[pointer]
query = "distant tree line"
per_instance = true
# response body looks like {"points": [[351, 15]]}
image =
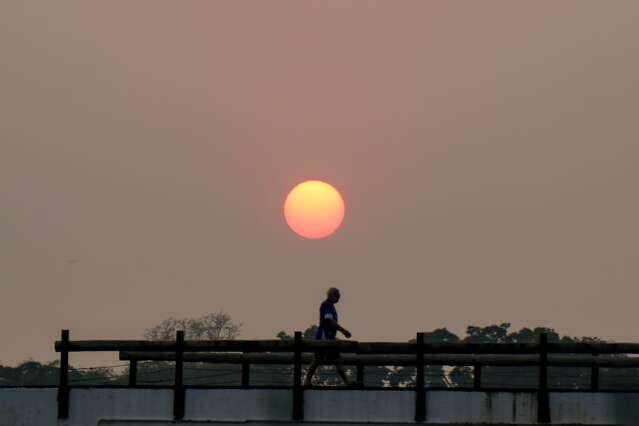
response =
{"points": [[220, 326]]}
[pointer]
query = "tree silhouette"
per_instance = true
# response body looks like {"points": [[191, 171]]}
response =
{"points": [[212, 326]]}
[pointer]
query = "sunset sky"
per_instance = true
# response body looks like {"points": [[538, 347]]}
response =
{"points": [[487, 153]]}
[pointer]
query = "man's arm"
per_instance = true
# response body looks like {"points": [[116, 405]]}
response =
{"points": [[338, 327]]}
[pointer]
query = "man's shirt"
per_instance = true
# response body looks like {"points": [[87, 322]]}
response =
{"points": [[325, 330]]}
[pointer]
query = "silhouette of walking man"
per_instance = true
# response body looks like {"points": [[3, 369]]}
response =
{"points": [[328, 328]]}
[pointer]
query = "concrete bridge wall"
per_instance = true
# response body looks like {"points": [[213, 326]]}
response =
{"points": [[124, 407]]}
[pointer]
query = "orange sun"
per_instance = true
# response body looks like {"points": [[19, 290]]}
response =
{"points": [[314, 209]]}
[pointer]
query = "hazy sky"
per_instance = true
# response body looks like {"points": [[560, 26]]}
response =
{"points": [[487, 154]]}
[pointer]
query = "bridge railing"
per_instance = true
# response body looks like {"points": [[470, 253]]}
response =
{"points": [[298, 352]]}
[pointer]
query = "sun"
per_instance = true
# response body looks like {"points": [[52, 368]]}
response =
{"points": [[314, 209]]}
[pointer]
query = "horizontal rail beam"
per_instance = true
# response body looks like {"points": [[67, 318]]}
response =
{"points": [[189, 346], [395, 360], [590, 348], [116, 345], [369, 348]]}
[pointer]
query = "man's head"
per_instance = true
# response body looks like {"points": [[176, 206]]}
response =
{"points": [[333, 294]]}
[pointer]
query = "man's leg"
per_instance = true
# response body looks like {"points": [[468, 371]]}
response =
{"points": [[342, 373], [311, 371]]}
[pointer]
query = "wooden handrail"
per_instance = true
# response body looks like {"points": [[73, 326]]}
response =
{"points": [[417, 353], [369, 348], [558, 360]]}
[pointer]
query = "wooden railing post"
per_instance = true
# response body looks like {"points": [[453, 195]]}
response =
{"points": [[178, 386], [63, 386], [477, 376], [594, 374], [359, 374], [133, 373], [298, 392], [543, 401], [420, 390], [246, 370]]}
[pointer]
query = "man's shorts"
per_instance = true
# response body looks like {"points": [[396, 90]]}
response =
{"points": [[327, 356]]}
